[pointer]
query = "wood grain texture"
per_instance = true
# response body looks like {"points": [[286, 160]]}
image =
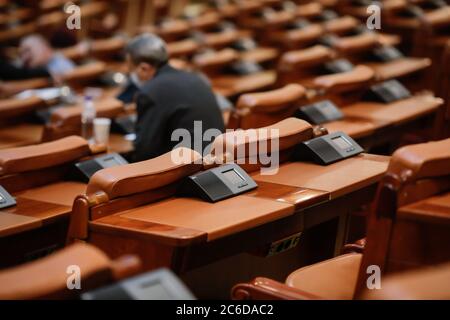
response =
{"points": [[338, 178], [216, 219]]}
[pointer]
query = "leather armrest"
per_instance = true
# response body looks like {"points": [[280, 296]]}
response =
{"points": [[229, 146], [340, 24], [357, 247], [44, 155], [181, 48], [109, 108], [13, 107], [113, 44], [359, 76], [267, 289], [424, 160], [309, 9], [216, 59], [145, 175], [173, 27], [205, 20], [86, 72], [357, 43], [220, 39], [313, 56], [46, 278], [272, 101]]}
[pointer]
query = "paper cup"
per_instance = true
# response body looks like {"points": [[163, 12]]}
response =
{"points": [[101, 130]]}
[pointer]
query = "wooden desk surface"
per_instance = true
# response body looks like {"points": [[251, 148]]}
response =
{"points": [[395, 113], [337, 179], [29, 214], [197, 218], [354, 127], [62, 193], [435, 209]]}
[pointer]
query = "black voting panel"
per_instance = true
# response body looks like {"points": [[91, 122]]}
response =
{"points": [[243, 68], [387, 92], [86, 169], [161, 284], [218, 183], [319, 112], [6, 200], [386, 54], [125, 124], [338, 66], [327, 149]]}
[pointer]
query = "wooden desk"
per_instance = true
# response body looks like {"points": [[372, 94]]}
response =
{"points": [[186, 233], [38, 223]]}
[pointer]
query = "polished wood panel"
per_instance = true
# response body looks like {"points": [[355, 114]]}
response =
{"points": [[338, 178]]}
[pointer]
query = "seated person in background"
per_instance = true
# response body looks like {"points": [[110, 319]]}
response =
{"points": [[168, 99], [36, 52]]}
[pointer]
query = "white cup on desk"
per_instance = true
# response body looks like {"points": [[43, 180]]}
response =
{"points": [[101, 130]]}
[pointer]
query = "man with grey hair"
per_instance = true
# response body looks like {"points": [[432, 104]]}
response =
{"points": [[168, 99]]}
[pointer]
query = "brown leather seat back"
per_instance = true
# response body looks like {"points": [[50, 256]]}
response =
{"points": [[246, 146], [146, 175], [45, 155], [67, 121], [213, 62], [255, 110], [85, 74], [13, 107], [47, 278]]}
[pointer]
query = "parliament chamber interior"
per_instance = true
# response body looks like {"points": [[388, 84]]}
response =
{"points": [[225, 149]]}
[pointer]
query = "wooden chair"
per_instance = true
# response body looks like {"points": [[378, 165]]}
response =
{"points": [[415, 172], [46, 278]]}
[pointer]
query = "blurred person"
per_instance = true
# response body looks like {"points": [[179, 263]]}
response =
{"points": [[168, 99]]}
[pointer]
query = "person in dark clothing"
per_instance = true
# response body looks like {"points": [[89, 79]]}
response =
{"points": [[171, 104], [9, 71]]}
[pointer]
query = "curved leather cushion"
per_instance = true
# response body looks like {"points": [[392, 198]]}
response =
{"points": [[14, 107], [44, 155], [181, 48], [145, 175], [358, 76], [313, 56], [47, 277], [330, 279], [399, 67], [357, 43], [424, 284], [272, 101], [216, 59], [310, 32], [221, 39], [424, 160], [206, 20], [113, 44], [340, 24], [290, 132], [86, 72], [108, 108]]}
